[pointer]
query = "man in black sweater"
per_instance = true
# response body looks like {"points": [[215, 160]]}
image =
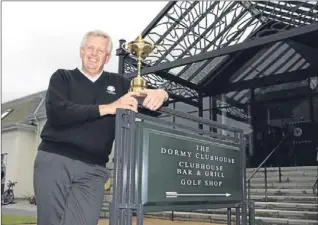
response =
{"points": [[70, 166]]}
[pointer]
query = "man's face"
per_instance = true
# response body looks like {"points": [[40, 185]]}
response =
{"points": [[94, 55]]}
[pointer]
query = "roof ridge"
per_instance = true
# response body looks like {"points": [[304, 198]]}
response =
{"points": [[29, 97]]}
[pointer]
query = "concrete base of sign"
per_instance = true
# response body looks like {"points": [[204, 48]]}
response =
{"points": [[150, 221]]}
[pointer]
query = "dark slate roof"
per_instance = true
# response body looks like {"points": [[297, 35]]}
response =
{"points": [[22, 109]]}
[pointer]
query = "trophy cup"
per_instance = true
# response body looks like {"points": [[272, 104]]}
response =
{"points": [[141, 49]]}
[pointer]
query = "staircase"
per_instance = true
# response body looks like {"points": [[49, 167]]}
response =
{"points": [[290, 201]]}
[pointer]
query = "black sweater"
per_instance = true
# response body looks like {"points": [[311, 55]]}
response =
{"points": [[74, 127]]}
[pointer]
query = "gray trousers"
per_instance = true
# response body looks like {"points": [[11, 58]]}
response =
{"points": [[67, 191]]}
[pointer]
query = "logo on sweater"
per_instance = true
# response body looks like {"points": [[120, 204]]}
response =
{"points": [[111, 90]]}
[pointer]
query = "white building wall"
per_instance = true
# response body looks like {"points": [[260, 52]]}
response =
{"points": [[24, 163], [20, 146], [9, 147]]}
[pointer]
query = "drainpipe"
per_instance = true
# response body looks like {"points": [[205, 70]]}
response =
{"points": [[35, 118]]}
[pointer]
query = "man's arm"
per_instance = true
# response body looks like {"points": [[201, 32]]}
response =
{"points": [[127, 85], [61, 111]]}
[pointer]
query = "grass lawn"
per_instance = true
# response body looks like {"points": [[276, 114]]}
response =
{"points": [[10, 219]]}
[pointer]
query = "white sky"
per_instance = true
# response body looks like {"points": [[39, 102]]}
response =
{"points": [[41, 37]]}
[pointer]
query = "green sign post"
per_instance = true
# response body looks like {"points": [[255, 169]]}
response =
{"points": [[162, 166]]}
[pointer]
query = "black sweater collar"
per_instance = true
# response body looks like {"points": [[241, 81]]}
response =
{"points": [[83, 79]]}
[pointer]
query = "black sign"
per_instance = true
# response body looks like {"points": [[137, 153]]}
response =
{"points": [[302, 132]]}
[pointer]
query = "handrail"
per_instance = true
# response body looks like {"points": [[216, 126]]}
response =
{"points": [[265, 160], [315, 187]]}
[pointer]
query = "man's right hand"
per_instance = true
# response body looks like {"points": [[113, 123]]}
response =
{"points": [[128, 101]]}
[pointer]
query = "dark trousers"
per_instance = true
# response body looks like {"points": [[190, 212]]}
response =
{"points": [[67, 191]]}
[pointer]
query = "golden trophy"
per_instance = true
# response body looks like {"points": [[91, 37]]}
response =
{"points": [[141, 49]]}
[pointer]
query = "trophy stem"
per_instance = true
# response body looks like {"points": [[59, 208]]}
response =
{"points": [[139, 58], [139, 65]]}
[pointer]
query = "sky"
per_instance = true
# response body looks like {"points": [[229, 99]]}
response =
{"points": [[40, 37]]}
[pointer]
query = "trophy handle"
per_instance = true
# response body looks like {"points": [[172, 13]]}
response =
{"points": [[125, 46]]}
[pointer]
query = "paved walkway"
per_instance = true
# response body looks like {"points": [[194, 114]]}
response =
{"points": [[24, 208], [158, 222], [21, 208]]}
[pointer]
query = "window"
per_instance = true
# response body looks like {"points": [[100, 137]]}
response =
{"points": [[5, 113], [4, 157], [314, 84], [315, 112]]}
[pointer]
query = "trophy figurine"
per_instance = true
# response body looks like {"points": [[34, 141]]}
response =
{"points": [[141, 49]]}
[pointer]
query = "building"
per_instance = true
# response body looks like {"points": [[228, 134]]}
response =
{"points": [[22, 120]]}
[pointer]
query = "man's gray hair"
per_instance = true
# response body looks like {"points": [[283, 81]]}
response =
{"points": [[98, 33]]}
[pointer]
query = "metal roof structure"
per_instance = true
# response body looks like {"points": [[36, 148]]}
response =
{"points": [[206, 48]]}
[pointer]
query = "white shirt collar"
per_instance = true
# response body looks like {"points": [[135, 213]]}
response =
{"points": [[92, 78]]}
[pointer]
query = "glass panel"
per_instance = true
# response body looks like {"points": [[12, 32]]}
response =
{"points": [[314, 84], [206, 115], [183, 107], [280, 113], [206, 102], [188, 122], [315, 103], [282, 90]]}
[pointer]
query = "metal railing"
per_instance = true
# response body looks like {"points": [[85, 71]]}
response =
{"points": [[315, 187], [265, 171]]}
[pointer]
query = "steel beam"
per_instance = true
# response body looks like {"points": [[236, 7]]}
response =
{"points": [[269, 80], [255, 43]]}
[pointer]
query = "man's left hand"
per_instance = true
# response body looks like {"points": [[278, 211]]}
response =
{"points": [[154, 99]]}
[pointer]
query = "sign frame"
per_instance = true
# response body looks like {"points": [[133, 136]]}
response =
{"points": [[127, 189], [144, 130]]}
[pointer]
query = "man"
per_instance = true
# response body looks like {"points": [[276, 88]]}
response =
{"points": [[70, 166]]}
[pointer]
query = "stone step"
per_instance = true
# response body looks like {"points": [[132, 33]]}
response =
{"points": [[287, 206], [286, 198], [294, 168], [268, 205], [285, 173], [221, 218], [284, 179], [108, 197], [283, 221], [284, 185], [308, 215], [104, 213], [271, 191], [106, 207]]}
